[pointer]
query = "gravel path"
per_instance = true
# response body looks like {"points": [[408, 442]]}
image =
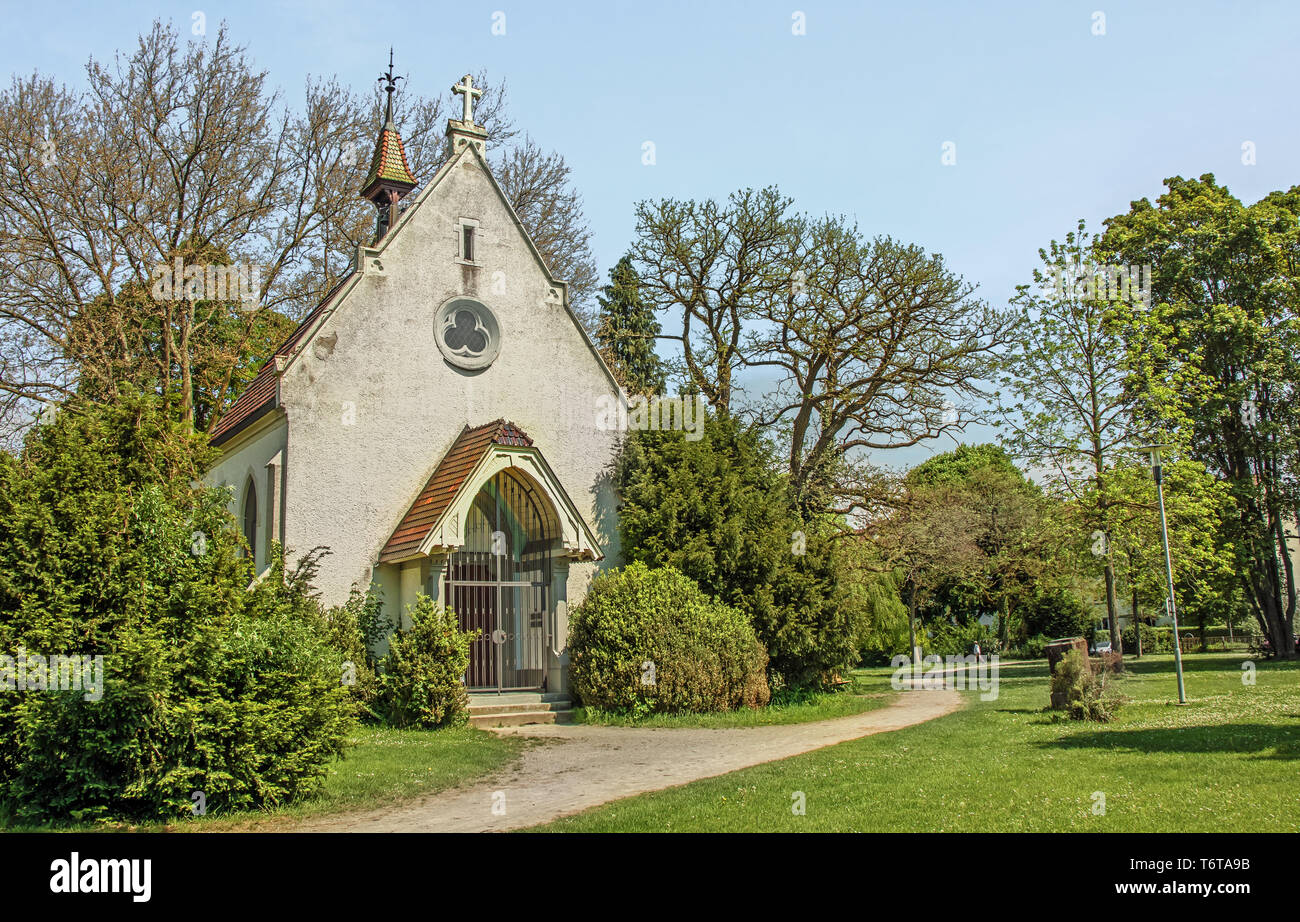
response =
{"points": [[577, 767]]}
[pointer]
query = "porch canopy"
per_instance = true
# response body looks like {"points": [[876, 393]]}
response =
{"points": [[436, 521]]}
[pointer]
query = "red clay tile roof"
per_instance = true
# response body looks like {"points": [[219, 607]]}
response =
{"points": [[447, 479], [261, 393], [257, 397]]}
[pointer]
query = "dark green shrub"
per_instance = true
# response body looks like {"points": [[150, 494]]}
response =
{"points": [[943, 638], [353, 629], [421, 680], [1090, 694], [650, 641], [716, 509], [209, 685], [1032, 648]]}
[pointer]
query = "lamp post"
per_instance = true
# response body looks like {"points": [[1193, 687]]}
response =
{"points": [[1154, 452]]}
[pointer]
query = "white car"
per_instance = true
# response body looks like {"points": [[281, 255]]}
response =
{"points": [[1102, 646]]}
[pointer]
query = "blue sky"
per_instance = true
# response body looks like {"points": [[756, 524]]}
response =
{"points": [[1051, 122]]}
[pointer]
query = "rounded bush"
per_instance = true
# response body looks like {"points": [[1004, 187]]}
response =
{"points": [[421, 683], [1056, 613], [650, 641]]}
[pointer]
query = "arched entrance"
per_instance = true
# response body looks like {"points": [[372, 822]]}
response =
{"points": [[499, 579]]}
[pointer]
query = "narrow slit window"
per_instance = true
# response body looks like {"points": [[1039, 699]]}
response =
{"points": [[467, 242]]}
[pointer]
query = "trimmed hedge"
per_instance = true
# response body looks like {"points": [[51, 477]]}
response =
{"points": [[649, 641]]}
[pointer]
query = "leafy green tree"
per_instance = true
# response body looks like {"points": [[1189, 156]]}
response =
{"points": [[1020, 542], [1064, 406], [876, 594], [1199, 508], [957, 467], [1055, 612], [1215, 361], [716, 509], [626, 330]]}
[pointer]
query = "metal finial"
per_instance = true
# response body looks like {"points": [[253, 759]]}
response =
{"points": [[388, 77], [390, 88]]}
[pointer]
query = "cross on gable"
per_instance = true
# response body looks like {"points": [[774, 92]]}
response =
{"points": [[469, 92]]}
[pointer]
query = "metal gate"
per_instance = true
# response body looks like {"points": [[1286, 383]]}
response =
{"points": [[499, 583]]}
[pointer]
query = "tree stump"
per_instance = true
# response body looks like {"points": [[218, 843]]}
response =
{"points": [[1056, 651]]}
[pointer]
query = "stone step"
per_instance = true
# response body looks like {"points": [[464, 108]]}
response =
{"points": [[486, 721], [513, 707]]}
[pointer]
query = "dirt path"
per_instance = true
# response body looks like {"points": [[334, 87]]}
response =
{"points": [[578, 767]]}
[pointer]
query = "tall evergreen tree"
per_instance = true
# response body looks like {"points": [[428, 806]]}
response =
{"points": [[626, 331]]}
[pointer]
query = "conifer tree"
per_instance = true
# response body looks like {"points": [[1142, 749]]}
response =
{"points": [[626, 332]]}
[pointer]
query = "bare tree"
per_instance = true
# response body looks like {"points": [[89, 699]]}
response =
{"points": [[169, 154], [927, 535], [538, 184], [879, 346], [711, 264]]}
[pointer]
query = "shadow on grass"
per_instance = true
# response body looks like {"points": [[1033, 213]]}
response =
{"points": [[1269, 741], [1192, 662]]}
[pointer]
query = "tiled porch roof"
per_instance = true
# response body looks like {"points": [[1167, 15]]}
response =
{"points": [[447, 479]]}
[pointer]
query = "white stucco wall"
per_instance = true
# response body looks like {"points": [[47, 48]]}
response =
{"points": [[247, 455], [371, 417]]}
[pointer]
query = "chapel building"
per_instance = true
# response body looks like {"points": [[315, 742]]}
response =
{"points": [[433, 422]]}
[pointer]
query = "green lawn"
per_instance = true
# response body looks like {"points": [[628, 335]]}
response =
{"points": [[862, 695], [1230, 760], [384, 767]]}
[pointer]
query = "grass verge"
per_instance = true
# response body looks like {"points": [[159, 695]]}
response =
{"points": [[384, 767]]}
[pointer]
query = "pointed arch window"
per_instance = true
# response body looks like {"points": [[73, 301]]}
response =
{"points": [[250, 518]]}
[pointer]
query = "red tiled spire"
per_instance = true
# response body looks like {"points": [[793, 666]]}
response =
{"points": [[390, 175], [389, 166]]}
